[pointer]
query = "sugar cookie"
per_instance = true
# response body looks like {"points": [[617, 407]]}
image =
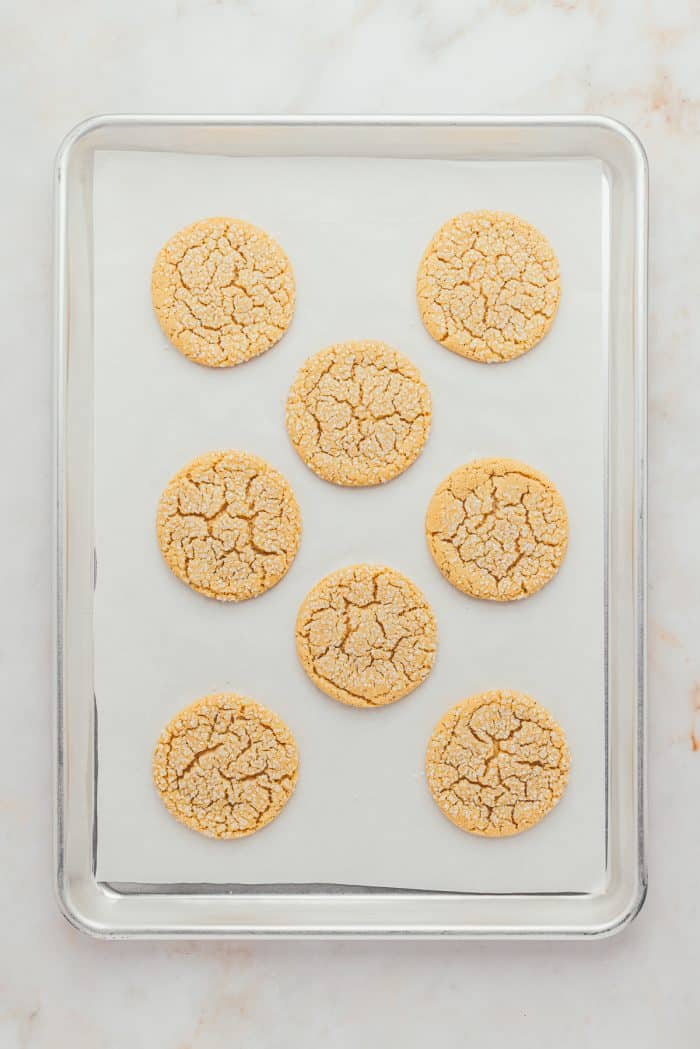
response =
{"points": [[228, 525], [497, 763], [366, 635], [223, 291], [358, 413], [497, 529], [225, 766], [488, 286]]}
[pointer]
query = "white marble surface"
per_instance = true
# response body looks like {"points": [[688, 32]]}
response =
{"points": [[636, 60]]}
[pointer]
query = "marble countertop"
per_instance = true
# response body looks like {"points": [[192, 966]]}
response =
{"points": [[634, 61]]}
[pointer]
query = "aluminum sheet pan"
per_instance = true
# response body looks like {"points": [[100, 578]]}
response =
{"points": [[361, 849]]}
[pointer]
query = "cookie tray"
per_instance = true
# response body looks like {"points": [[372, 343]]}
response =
{"points": [[376, 167]]}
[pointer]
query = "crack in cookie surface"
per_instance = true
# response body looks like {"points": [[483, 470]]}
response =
{"points": [[497, 763], [358, 413], [497, 529], [223, 291], [488, 286], [228, 525], [366, 635], [225, 766]]}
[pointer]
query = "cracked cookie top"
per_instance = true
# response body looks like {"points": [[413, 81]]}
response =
{"points": [[488, 286], [497, 763], [225, 766], [223, 291], [228, 525], [497, 529], [358, 413], [366, 635]]}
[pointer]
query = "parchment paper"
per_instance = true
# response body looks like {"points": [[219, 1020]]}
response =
{"points": [[354, 230]]}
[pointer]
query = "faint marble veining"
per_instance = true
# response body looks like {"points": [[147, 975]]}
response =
{"points": [[695, 714]]}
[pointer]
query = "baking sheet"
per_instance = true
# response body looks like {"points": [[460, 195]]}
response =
{"points": [[354, 229]]}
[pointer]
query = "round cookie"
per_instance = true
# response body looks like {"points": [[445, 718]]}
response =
{"points": [[497, 763], [223, 291], [225, 766], [228, 525], [366, 635], [358, 413], [488, 286], [497, 529]]}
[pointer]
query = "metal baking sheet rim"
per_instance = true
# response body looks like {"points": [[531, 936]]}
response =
{"points": [[202, 911]]}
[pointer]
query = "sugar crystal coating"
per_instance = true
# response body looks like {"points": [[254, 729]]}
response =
{"points": [[497, 763], [488, 286], [358, 413], [497, 529], [223, 291], [225, 766], [366, 635], [228, 525]]}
